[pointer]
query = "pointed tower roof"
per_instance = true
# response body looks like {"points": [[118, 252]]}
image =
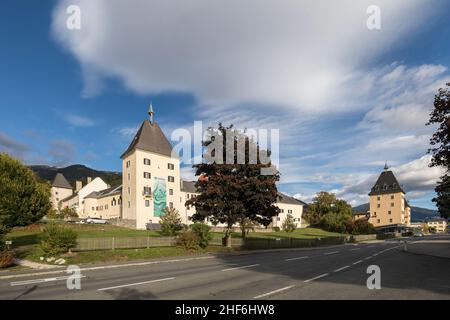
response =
{"points": [[61, 182], [150, 138], [386, 183]]}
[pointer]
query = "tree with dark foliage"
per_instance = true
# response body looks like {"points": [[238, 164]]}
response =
{"points": [[231, 188], [440, 150]]}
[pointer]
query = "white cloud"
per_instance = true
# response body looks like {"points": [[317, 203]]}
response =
{"points": [[79, 121], [301, 54]]}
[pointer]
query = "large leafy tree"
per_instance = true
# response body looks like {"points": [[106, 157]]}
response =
{"points": [[23, 198], [329, 213], [440, 142], [232, 189]]}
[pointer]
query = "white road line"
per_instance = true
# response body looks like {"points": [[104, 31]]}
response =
{"points": [[318, 277], [137, 264], [355, 249], [359, 261], [367, 258], [135, 284], [243, 267], [328, 253], [299, 258], [340, 269], [24, 283], [273, 292]]}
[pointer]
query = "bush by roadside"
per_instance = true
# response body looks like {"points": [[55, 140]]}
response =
{"points": [[188, 240], [203, 233], [57, 239], [6, 258]]}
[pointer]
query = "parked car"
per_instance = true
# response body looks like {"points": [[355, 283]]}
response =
{"points": [[96, 221], [418, 234], [153, 226]]}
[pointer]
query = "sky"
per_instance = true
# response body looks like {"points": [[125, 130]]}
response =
{"points": [[344, 98]]}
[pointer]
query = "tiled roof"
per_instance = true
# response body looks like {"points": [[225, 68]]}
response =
{"points": [[386, 183], [61, 182]]}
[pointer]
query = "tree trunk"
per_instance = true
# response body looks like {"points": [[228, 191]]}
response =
{"points": [[227, 238]]}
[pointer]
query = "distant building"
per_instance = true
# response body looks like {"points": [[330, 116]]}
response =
{"points": [[76, 200], [61, 189], [438, 224], [389, 208]]}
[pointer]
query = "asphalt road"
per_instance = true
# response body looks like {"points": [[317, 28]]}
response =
{"points": [[338, 272]]}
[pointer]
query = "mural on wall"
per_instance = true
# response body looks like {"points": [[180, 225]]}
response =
{"points": [[159, 197]]}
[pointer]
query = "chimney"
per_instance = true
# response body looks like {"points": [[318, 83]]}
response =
{"points": [[89, 180], [78, 186]]}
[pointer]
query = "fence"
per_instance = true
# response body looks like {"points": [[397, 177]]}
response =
{"points": [[91, 244]]}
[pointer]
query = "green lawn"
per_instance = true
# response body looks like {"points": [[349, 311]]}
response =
{"points": [[22, 236], [33, 253]]}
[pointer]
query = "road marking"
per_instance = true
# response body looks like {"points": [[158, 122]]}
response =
{"points": [[328, 253], [359, 261], [367, 258], [273, 292], [138, 264], [135, 284], [299, 258], [318, 277], [244, 267], [23, 283], [355, 249], [340, 269]]}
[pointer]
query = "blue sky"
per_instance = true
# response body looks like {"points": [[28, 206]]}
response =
{"points": [[344, 98]]}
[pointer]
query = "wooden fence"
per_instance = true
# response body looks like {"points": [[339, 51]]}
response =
{"points": [[113, 243]]}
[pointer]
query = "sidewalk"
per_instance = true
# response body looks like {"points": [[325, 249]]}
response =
{"points": [[434, 248]]}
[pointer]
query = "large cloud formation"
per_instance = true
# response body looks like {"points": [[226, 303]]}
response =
{"points": [[299, 54]]}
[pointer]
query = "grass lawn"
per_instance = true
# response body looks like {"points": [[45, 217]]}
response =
{"points": [[33, 253]]}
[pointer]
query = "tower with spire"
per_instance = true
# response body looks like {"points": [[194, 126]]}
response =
{"points": [[150, 175], [388, 205]]}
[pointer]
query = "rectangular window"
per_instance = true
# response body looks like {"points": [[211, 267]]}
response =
{"points": [[278, 219], [289, 211], [171, 205], [378, 198], [392, 204], [106, 207], [170, 166], [147, 175], [281, 210], [171, 192], [147, 162], [129, 190], [147, 203], [171, 179], [392, 196], [128, 164], [93, 209], [129, 177], [147, 191], [378, 220], [378, 205], [389, 212], [390, 220]]}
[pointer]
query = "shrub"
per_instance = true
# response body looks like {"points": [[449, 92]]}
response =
{"points": [[188, 240], [362, 226], [335, 222], [6, 258], [276, 229], [68, 213], [57, 239], [288, 224], [171, 222], [202, 231]]}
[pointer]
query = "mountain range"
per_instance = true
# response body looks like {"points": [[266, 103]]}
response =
{"points": [[77, 172], [417, 214]]}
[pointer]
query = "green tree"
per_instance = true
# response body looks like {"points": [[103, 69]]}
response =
{"points": [[440, 150], [68, 213], [23, 199], [57, 239], [171, 222], [329, 213], [246, 226], [231, 187], [289, 224], [203, 233]]}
